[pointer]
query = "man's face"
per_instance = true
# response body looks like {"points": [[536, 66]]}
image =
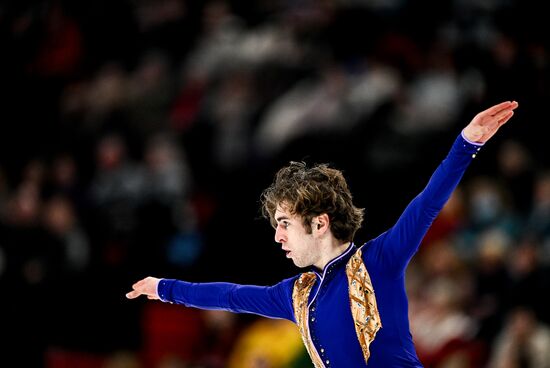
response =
{"points": [[299, 246]]}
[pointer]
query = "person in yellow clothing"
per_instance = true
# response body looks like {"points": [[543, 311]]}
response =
{"points": [[269, 343]]}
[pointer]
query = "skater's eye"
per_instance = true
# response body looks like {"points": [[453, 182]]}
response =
{"points": [[284, 224]]}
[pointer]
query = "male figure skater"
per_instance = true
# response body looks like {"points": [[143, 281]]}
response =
{"points": [[350, 305]]}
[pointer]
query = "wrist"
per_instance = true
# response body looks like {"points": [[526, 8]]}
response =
{"points": [[468, 138], [164, 290]]}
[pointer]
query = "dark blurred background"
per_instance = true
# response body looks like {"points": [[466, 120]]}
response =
{"points": [[137, 136]]}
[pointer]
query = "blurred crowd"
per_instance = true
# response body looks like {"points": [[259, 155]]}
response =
{"points": [[137, 136]]}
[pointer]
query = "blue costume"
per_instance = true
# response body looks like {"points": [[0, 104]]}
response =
{"points": [[331, 328]]}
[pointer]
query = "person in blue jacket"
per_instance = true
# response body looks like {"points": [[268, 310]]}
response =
{"points": [[350, 304]]}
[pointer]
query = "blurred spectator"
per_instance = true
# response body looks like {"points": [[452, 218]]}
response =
{"points": [[528, 278], [225, 45], [33, 266], [373, 86], [440, 327], [65, 179], [34, 173], [313, 106], [523, 342], [219, 38], [489, 209], [516, 169], [24, 205], [116, 187], [60, 220], [167, 179], [230, 111], [61, 47], [222, 331], [441, 259], [434, 98], [539, 216], [96, 99], [149, 95], [150, 15], [187, 103], [488, 303], [115, 192], [167, 230]]}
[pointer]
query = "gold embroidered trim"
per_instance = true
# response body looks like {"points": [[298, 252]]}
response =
{"points": [[363, 303], [300, 298]]}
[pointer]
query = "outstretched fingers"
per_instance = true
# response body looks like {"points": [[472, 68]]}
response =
{"points": [[500, 108], [133, 294], [503, 113], [494, 117], [505, 118], [137, 289]]}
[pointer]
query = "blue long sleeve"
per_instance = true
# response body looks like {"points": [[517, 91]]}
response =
{"points": [[268, 301], [395, 247]]}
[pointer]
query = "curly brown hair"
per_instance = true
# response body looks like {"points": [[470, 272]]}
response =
{"points": [[309, 192]]}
